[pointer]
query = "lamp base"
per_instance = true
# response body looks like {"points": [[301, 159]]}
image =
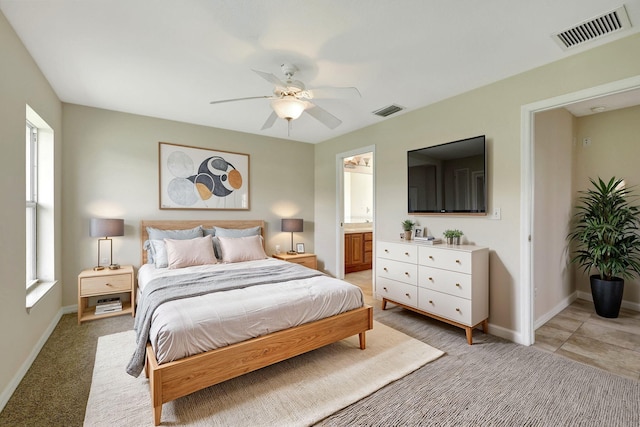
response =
{"points": [[114, 266], [292, 252], [98, 268]]}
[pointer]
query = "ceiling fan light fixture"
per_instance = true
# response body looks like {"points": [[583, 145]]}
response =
{"points": [[288, 107]]}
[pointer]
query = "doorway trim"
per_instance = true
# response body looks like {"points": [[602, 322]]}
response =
{"points": [[527, 175], [340, 203]]}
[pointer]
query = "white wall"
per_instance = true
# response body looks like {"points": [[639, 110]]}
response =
{"points": [[111, 170], [21, 333], [553, 201], [614, 151], [493, 110]]}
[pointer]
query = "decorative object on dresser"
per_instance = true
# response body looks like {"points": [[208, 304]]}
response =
{"points": [[447, 283], [104, 228], [453, 236], [292, 225], [407, 226], [300, 248], [358, 251], [306, 259], [103, 284]]}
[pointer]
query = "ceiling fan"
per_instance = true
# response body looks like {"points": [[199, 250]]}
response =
{"points": [[291, 98]]}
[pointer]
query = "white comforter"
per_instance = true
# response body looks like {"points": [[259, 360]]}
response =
{"points": [[189, 326]]}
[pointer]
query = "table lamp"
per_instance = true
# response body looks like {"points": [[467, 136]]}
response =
{"points": [[292, 225], [106, 228]]}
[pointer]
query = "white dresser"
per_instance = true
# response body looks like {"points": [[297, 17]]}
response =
{"points": [[446, 282]]}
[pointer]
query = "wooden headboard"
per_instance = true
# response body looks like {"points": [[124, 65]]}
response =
{"points": [[184, 224]]}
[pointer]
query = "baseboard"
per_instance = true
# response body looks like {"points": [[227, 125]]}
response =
{"points": [[629, 305], [22, 371], [566, 302], [507, 334]]}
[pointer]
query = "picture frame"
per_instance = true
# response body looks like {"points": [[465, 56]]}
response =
{"points": [[418, 232], [202, 178], [300, 248]]}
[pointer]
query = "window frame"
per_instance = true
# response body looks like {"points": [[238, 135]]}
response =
{"points": [[31, 172]]}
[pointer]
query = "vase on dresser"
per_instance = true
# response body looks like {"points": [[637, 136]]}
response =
{"points": [[407, 235]]}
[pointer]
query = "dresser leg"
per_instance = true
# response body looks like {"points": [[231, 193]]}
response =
{"points": [[384, 304], [485, 326], [469, 332]]}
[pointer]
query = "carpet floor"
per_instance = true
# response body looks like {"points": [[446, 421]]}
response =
{"points": [[296, 392], [492, 383]]}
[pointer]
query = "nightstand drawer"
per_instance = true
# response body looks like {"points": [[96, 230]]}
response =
{"points": [[307, 262], [106, 284]]}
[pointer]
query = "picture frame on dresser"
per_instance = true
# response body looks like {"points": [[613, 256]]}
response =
{"points": [[300, 248], [202, 178]]}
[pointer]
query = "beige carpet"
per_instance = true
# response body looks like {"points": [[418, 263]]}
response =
{"points": [[295, 392]]}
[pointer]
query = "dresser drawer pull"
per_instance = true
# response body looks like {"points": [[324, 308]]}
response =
{"points": [[458, 284], [458, 261], [431, 301], [430, 257], [406, 253], [385, 289], [458, 310], [406, 273], [408, 296], [386, 251], [108, 284], [431, 279]]}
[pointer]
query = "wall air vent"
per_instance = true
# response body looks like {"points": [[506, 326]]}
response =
{"points": [[389, 110], [593, 29]]}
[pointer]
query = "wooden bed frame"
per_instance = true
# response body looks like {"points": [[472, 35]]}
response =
{"points": [[172, 380]]}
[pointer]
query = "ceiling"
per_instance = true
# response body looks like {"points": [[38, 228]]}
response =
{"points": [[169, 59]]}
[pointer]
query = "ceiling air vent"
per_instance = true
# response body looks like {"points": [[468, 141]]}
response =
{"points": [[593, 29], [387, 111]]}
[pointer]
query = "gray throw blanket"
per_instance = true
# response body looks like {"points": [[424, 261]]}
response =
{"points": [[164, 289]]}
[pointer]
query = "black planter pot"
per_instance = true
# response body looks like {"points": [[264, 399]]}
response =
{"points": [[607, 295]]}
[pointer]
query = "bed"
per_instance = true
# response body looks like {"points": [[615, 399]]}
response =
{"points": [[173, 379]]}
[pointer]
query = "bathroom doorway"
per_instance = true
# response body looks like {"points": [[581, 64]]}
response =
{"points": [[356, 217]]}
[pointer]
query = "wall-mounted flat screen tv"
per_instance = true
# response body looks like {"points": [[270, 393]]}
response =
{"points": [[448, 178]]}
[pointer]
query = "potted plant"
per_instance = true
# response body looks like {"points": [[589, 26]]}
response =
{"points": [[407, 226], [605, 232], [453, 236]]}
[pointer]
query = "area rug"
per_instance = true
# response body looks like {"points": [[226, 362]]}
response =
{"points": [[296, 392]]}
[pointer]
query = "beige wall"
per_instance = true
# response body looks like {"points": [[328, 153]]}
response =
{"points": [[111, 170], [614, 151], [22, 83], [493, 110], [553, 201]]}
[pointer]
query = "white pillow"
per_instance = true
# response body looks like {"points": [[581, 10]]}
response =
{"points": [[159, 251], [185, 253], [237, 249]]}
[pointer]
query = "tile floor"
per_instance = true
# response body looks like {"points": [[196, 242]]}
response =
{"points": [[580, 334], [577, 333]]}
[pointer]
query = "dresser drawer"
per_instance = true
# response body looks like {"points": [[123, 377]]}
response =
{"points": [[396, 270], [396, 291], [102, 285], [448, 306], [397, 252], [307, 262], [448, 282], [445, 259]]}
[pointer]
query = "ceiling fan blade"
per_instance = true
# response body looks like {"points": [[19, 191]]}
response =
{"points": [[323, 116], [239, 99], [270, 78], [270, 121], [334, 92]]}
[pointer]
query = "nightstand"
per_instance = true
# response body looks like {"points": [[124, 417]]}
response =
{"points": [[101, 283], [308, 260]]}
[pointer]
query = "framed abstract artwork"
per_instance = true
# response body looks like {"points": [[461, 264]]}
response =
{"points": [[200, 178]]}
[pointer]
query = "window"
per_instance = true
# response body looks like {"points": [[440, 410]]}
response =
{"points": [[40, 232], [32, 204]]}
